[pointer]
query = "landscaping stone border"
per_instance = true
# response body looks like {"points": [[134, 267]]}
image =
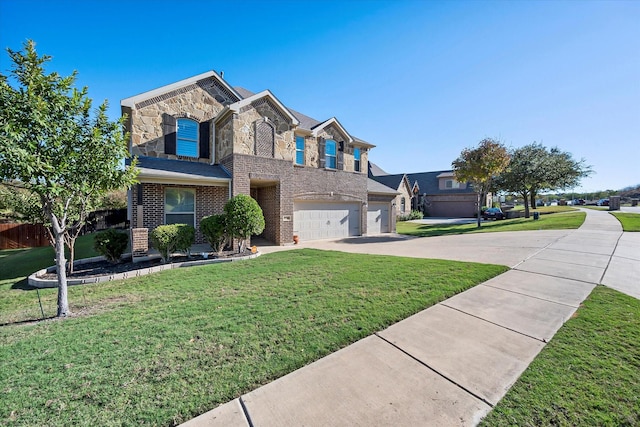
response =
{"points": [[36, 282]]}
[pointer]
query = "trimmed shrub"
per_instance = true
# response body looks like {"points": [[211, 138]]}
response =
{"points": [[410, 216], [214, 229], [173, 237], [111, 244], [244, 218]]}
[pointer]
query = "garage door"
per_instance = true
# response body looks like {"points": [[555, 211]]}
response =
{"points": [[377, 218], [452, 209], [318, 220]]}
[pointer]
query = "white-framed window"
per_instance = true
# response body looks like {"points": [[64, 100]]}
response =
{"points": [[403, 204], [180, 206], [187, 138], [300, 150], [356, 159], [330, 154]]}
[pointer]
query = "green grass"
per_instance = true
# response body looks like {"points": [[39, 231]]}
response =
{"points": [[546, 222], [17, 264], [163, 348], [588, 375], [547, 209], [630, 221], [596, 208]]}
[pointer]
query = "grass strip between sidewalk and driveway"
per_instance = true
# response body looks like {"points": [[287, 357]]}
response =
{"points": [[559, 221], [629, 221], [588, 374], [163, 348]]}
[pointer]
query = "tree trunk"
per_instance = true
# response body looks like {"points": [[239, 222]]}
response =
{"points": [[533, 199], [526, 204], [63, 302], [71, 244], [479, 209]]}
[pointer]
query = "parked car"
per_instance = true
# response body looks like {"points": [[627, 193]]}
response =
{"points": [[578, 202], [493, 213], [603, 202]]}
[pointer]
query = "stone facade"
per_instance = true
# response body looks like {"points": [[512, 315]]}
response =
{"points": [[145, 122], [255, 143]]}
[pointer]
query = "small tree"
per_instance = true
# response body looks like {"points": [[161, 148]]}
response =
{"points": [[57, 150], [244, 218], [479, 166], [214, 229]]}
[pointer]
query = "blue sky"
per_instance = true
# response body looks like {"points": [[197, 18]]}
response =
{"points": [[420, 79]]}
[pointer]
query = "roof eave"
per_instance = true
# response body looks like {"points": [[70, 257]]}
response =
{"points": [[133, 100], [236, 106]]}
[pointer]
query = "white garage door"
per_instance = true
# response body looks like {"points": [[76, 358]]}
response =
{"points": [[319, 220], [377, 218]]}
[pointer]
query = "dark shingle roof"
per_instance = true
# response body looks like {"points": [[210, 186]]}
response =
{"points": [[374, 187], [392, 181], [428, 183], [375, 170], [179, 168]]}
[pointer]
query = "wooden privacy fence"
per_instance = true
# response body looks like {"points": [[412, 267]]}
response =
{"points": [[14, 236]]}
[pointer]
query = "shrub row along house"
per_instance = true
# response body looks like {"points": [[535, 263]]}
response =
{"points": [[200, 142]]}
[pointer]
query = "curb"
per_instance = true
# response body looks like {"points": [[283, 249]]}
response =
{"points": [[36, 282]]}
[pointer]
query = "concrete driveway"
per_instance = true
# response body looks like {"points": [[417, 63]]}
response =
{"points": [[451, 363]]}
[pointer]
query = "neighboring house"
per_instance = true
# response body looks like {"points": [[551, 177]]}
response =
{"points": [[399, 182], [200, 141], [436, 194]]}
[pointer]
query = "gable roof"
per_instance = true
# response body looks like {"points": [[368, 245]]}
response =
{"points": [[428, 182], [309, 123], [236, 106], [133, 100], [393, 181]]}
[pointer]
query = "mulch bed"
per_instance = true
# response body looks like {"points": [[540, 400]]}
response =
{"points": [[104, 268]]}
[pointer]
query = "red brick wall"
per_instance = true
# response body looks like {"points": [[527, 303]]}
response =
{"points": [[209, 200]]}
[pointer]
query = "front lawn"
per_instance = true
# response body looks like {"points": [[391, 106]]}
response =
{"points": [[630, 221], [17, 264], [547, 209], [546, 222], [163, 348], [588, 374]]}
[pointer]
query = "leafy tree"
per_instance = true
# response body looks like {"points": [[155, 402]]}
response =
{"points": [[52, 144], [534, 169], [480, 166], [244, 218], [214, 229]]}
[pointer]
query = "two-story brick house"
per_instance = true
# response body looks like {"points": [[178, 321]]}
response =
{"points": [[200, 141]]}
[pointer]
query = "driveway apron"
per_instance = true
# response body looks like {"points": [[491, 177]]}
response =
{"points": [[451, 363]]}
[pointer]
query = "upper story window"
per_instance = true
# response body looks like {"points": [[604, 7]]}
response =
{"points": [[403, 204], [330, 154], [187, 140], [452, 183], [300, 150], [356, 158]]}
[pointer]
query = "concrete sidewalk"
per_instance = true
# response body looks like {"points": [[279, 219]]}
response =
{"points": [[451, 363]]}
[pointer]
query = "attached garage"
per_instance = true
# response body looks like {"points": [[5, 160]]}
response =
{"points": [[377, 218], [448, 208], [323, 220]]}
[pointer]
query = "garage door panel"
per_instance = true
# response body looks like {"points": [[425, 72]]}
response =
{"points": [[377, 218], [316, 220]]}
